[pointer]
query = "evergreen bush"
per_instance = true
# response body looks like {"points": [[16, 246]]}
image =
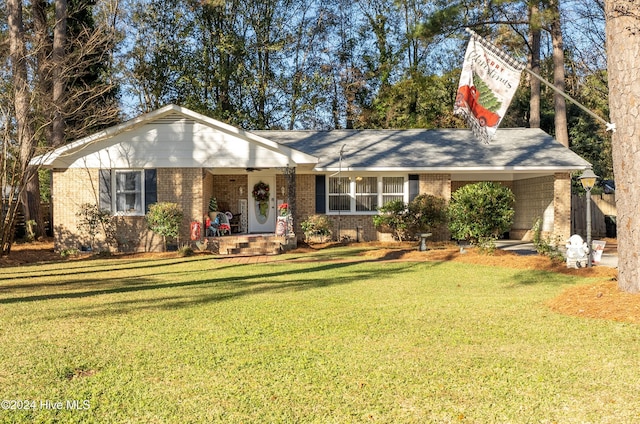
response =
{"points": [[406, 221], [164, 218], [481, 213], [317, 225], [393, 218]]}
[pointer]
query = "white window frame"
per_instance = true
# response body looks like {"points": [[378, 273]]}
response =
{"points": [[352, 179], [115, 192], [331, 195], [367, 195], [403, 195]]}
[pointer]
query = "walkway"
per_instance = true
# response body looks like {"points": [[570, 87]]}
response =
{"points": [[609, 256]]}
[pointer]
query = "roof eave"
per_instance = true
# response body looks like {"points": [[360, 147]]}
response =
{"points": [[469, 169], [48, 160]]}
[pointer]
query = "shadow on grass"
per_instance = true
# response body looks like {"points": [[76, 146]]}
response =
{"points": [[83, 266], [233, 287], [539, 277], [99, 268]]}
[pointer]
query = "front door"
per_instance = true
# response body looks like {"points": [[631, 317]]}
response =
{"points": [[262, 203]]}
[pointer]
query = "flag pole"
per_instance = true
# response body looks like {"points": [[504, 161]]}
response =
{"points": [[609, 126]]}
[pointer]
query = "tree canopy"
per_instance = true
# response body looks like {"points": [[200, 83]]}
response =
{"points": [[288, 64]]}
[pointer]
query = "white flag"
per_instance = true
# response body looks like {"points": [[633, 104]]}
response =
{"points": [[488, 82]]}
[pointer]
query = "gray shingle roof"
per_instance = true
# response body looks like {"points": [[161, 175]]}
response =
{"points": [[445, 149]]}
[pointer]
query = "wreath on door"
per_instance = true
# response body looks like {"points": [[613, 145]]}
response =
{"points": [[261, 195], [261, 192]]}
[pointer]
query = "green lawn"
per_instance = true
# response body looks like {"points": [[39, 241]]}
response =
{"points": [[307, 338]]}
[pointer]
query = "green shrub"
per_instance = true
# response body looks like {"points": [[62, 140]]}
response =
{"points": [[65, 253], [317, 225], [164, 218], [544, 246], [480, 212], [185, 250], [426, 212], [30, 228], [421, 215], [393, 218]]}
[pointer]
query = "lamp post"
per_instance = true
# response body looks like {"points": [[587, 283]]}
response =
{"points": [[588, 180]]}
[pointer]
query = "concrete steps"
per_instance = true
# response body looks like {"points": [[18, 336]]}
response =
{"points": [[252, 244]]}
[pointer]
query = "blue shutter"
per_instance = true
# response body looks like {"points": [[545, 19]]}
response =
{"points": [[321, 194], [414, 186], [104, 186], [150, 188]]}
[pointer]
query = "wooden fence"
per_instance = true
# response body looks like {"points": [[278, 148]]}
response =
{"points": [[20, 226], [603, 215]]}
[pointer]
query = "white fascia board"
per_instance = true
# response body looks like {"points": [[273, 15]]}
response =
{"points": [[468, 169]]}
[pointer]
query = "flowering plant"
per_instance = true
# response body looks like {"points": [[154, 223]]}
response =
{"points": [[284, 209], [261, 192]]}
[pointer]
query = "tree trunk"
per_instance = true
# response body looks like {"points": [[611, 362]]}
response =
{"points": [[534, 62], [21, 93], [57, 57], [623, 63], [559, 102], [29, 193]]}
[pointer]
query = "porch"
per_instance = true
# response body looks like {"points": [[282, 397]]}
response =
{"points": [[233, 190]]}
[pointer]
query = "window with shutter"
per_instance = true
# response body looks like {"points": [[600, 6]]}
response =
{"points": [[128, 192]]}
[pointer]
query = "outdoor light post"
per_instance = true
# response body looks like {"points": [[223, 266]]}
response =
{"points": [[588, 180]]}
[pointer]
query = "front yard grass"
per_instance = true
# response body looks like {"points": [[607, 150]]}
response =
{"points": [[329, 337]]}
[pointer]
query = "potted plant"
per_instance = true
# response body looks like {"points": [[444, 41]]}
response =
{"points": [[213, 207]]}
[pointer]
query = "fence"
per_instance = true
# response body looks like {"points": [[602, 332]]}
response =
{"points": [[20, 225], [603, 215]]}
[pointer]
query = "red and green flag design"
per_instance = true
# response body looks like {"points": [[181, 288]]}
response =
{"points": [[488, 81]]}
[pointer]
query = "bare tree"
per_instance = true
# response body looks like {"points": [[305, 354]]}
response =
{"points": [[59, 80], [24, 133], [559, 102], [53, 82], [623, 58], [534, 64]]}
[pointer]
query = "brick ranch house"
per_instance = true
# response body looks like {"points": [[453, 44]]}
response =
{"points": [[176, 155]]}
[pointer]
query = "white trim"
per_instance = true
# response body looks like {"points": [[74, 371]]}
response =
{"points": [[352, 191], [114, 192], [456, 169]]}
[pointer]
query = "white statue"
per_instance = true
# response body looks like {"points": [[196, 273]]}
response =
{"points": [[577, 251]]}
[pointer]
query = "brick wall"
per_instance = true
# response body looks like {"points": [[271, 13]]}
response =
{"points": [[351, 227], [438, 185], [226, 189], [534, 199], [305, 201], [548, 197], [360, 227], [562, 206], [75, 186], [183, 186], [70, 189]]}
